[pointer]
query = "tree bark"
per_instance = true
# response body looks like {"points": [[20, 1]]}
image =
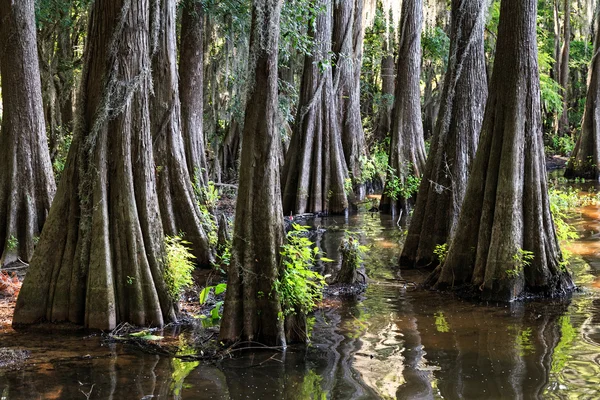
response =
{"points": [[506, 209], [348, 34], [191, 67], [315, 169], [407, 149], [26, 179], [252, 308], [100, 259], [585, 161], [179, 211], [455, 139], [388, 76], [563, 77]]}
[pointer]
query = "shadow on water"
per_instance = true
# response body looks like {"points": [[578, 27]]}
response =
{"points": [[390, 342]]}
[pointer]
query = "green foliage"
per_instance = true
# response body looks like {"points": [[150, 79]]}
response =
{"points": [[12, 243], [401, 187], [215, 312], [562, 145], [521, 259], [436, 46], [299, 288], [179, 267], [375, 166], [62, 150], [552, 99], [441, 251], [352, 249], [207, 198]]}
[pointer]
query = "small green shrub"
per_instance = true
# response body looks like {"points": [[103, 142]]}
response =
{"points": [[441, 251], [522, 258], [179, 267], [299, 288], [215, 312], [12, 243], [399, 188]]}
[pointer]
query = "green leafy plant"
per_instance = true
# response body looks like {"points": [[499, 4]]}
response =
{"points": [[521, 259], [299, 288], [401, 187], [215, 312], [352, 249], [441, 251], [12, 243], [179, 266]]}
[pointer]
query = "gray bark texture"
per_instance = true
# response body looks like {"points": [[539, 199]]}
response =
{"points": [[252, 309], [178, 207], [454, 142], [100, 259], [26, 178], [585, 160], [191, 69], [315, 170], [407, 149], [348, 35], [506, 208]]}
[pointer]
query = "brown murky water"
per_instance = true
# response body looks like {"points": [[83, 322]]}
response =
{"points": [[391, 342]]}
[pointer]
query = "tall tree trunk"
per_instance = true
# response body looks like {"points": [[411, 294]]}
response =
{"points": [[563, 77], [407, 149], [388, 76], [506, 210], [250, 315], [178, 208], [585, 160], [348, 37], [315, 169], [100, 259], [26, 179], [191, 67], [456, 134]]}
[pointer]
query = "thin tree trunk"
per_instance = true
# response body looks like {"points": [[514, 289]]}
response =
{"points": [[179, 211], [506, 210], [388, 76], [252, 308], [315, 170], [407, 149], [455, 139], [100, 259], [563, 77], [348, 37], [585, 161], [191, 67], [26, 179]]}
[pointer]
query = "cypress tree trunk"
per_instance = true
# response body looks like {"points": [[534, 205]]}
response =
{"points": [[506, 209], [26, 179], [252, 309], [191, 69], [388, 75], [348, 37], [315, 170], [179, 211], [563, 76], [407, 149], [455, 139], [100, 259], [585, 161]]}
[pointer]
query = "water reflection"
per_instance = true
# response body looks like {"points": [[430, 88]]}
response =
{"points": [[392, 342]]}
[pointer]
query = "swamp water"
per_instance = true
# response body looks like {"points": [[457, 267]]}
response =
{"points": [[391, 342]]}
